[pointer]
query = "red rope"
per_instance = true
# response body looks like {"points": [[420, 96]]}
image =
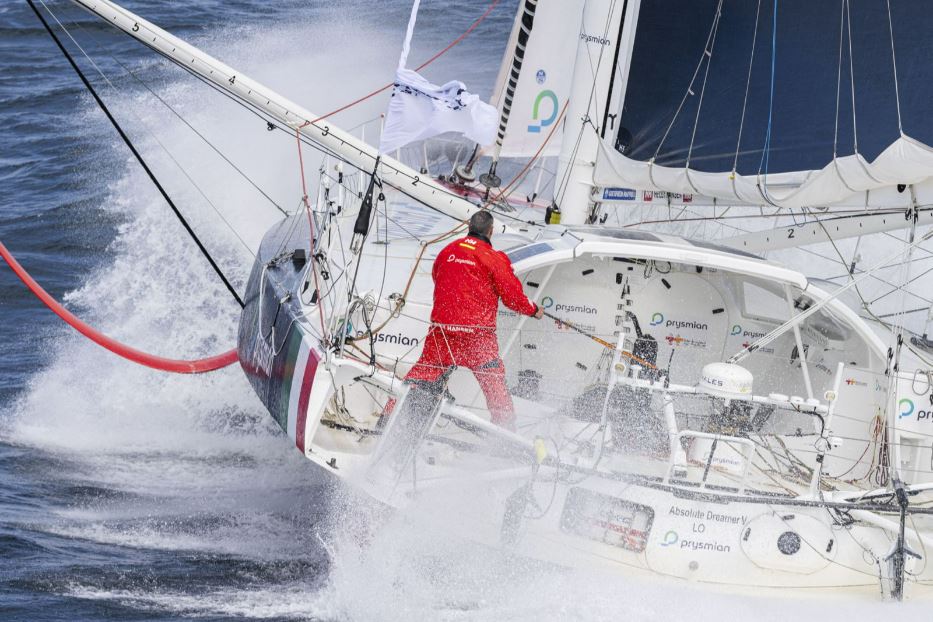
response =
{"points": [[155, 362], [472, 27]]}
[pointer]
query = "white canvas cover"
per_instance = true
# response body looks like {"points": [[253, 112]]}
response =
{"points": [[905, 161]]}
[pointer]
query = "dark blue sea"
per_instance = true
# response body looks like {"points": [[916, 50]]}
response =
{"points": [[128, 494]]}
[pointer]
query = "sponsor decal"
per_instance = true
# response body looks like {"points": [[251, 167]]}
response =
{"points": [[590, 328], [547, 302], [397, 338], [262, 354], [736, 329], [677, 340], [609, 520], [452, 259], [852, 382], [537, 111], [671, 538], [686, 324], [907, 408], [619, 194], [710, 515], [650, 195], [823, 368], [540, 76], [593, 39], [657, 318]]}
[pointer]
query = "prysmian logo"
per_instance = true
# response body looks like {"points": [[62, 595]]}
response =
{"points": [[547, 302], [575, 308], [592, 39], [397, 338], [736, 329], [538, 111], [686, 324], [656, 319], [908, 408], [670, 538]]}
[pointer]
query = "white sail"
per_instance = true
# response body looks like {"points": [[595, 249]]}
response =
{"points": [[545, 79]]}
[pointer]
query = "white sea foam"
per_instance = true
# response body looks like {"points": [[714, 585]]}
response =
{"points": [[196, 446]]}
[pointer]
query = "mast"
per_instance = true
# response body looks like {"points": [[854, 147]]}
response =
{"points": [[592, 76], [342, 144], [525, 24]]}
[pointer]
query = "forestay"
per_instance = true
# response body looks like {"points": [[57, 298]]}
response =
{"points": [[793, 103]]}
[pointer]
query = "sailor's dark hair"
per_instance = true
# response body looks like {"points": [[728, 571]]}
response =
{"points": [[481, 223]]}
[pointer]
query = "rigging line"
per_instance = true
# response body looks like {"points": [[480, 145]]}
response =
{"points": [[181, 168], [274, 123], [689, 91], [136, 153], [709, 61], [453, 43], [560, 188], [748, 82], [851, 76], [842, 21], [506, 192], [897, 93], [311, 245], [765, 155], [800, 317], [155, 94]]}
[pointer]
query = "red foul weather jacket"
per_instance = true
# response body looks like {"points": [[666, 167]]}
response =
{"points": [[470, 277]]}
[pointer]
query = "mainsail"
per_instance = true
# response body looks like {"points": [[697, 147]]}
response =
{"points": [[792, 104]]}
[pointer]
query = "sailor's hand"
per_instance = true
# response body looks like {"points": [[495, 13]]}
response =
{"points": [[539, 312]]}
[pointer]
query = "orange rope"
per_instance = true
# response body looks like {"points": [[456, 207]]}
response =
{"points": [[453, 43], [304, 198]]}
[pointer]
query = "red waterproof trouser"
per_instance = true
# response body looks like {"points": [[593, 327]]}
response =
{"points": [[475, 348]]}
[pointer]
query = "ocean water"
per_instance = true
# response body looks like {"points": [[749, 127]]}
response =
{"points": [[134, 495]]}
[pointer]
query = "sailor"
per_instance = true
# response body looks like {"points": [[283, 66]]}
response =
{"points": [[470, 277]]}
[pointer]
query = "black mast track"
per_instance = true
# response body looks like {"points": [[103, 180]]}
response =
{"points": [[615, 66], [137, 155]]}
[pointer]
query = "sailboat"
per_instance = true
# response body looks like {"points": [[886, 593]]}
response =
{"points": [[690, 409]]}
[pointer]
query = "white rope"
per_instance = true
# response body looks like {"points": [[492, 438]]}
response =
{"points": [[696, 72], [748, 82], [696, 122], [897, 93]]}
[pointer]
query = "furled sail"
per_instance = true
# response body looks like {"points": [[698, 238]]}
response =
{"points": [[544, 83], [793, 103]]}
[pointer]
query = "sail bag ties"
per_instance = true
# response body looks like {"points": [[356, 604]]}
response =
{"points": [[419, 109]]}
